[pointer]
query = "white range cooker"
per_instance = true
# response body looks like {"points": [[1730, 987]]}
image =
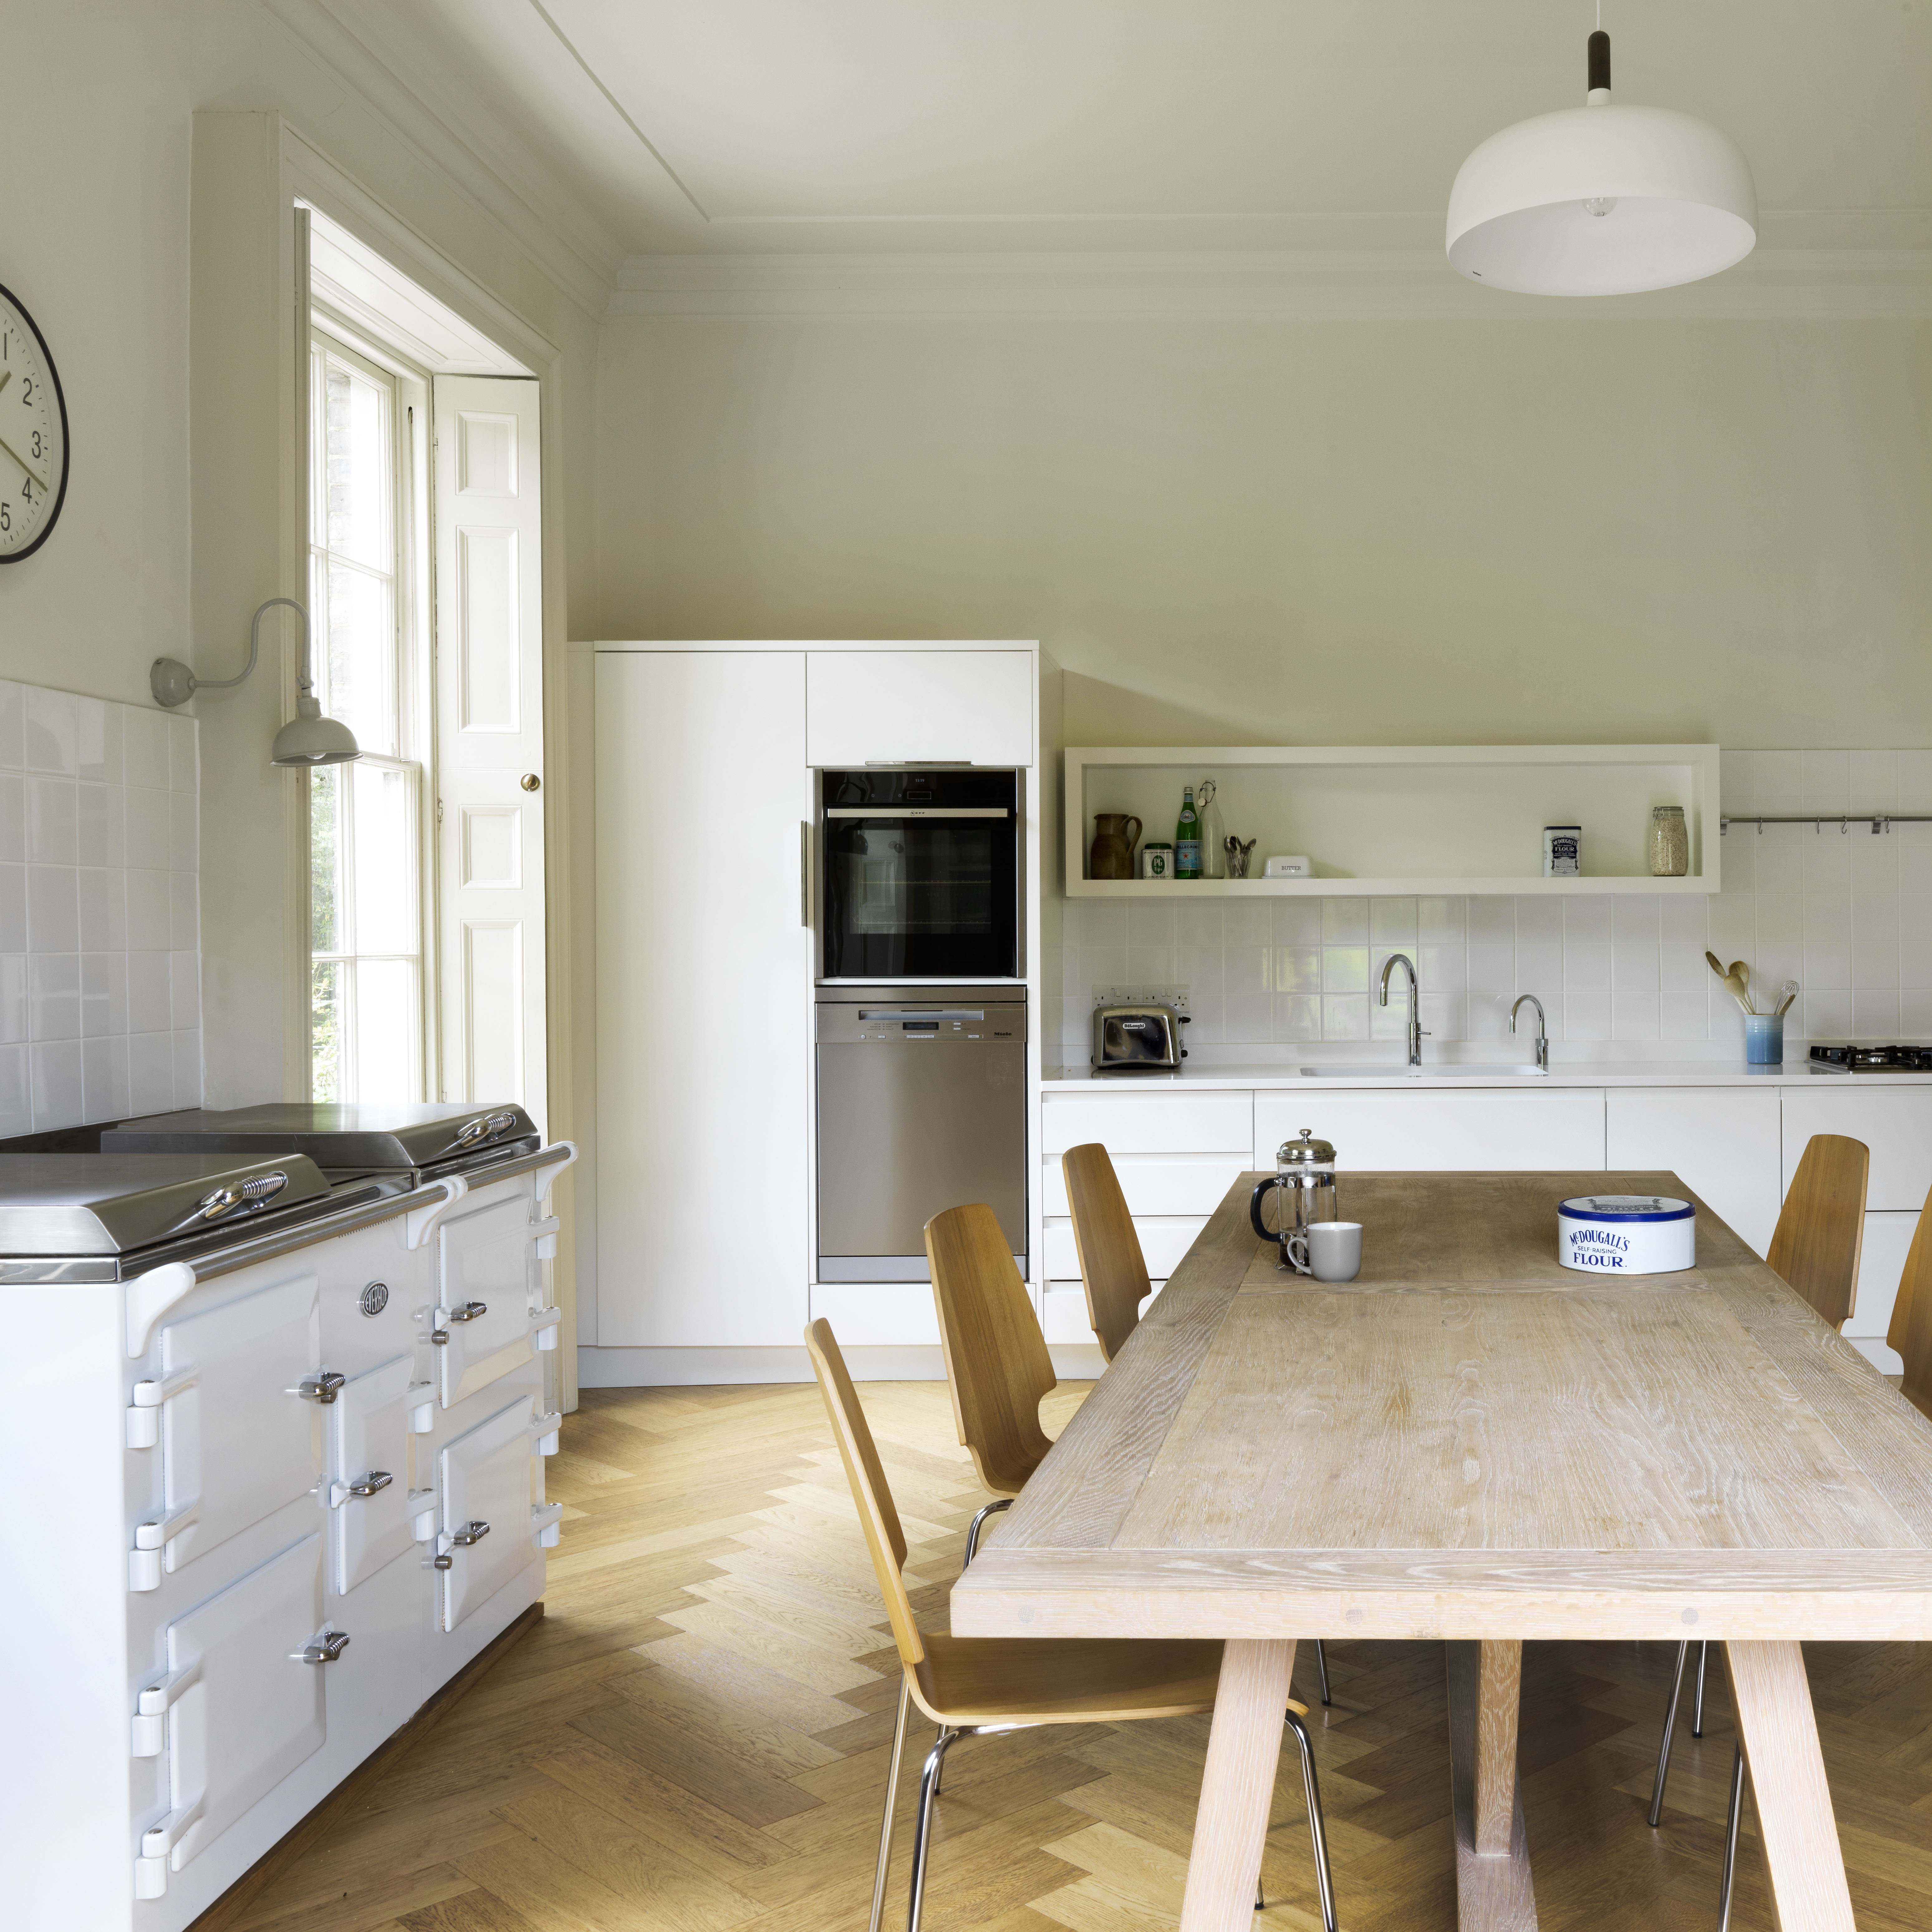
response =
{"points": [[274, 1392]]}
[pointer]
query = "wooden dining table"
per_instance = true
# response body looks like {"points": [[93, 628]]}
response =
{"points": [[1472, 1444]]}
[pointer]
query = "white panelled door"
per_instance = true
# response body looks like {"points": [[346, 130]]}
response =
{"points": [[489, 736]]}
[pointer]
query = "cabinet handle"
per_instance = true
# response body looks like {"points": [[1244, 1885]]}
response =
{"points": [[469, 1311], [323, 1649], [470, 1532], [324, 1386], [376, 1480], [804, 872]]}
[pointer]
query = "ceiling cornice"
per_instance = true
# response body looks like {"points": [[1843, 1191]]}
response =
{"points": [[1303, 285], [424, 107]]}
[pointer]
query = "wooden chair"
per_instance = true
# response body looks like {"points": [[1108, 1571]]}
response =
{"points": [[1910, 1332], [1111, 1265], [1822, 1226], [1815, 1248], [972, 1686], [996, 1365]]}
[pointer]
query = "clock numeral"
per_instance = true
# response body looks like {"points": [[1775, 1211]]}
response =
{"points": [[27, 489], [6, 517], [36, 442], [27, 391]]}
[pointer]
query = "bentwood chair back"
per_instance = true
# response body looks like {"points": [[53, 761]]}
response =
{"points": [[996, 1365], [970, 1685], [1822, 1227], [1111, 1264], [1910, 1332]]}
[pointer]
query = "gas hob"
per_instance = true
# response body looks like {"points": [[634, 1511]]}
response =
{"points": [[1859, 1058]]}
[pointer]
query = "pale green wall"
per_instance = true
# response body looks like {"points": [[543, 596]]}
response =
{"points": [[1408, 531]]}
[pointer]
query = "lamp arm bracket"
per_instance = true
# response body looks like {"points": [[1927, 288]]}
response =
{"points": [[173, 683]]}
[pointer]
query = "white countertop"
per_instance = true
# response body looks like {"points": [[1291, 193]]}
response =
{"points": [[1276, 1077]]}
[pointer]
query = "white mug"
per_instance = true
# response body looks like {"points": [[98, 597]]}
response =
{"points": [[1329, 1250]]}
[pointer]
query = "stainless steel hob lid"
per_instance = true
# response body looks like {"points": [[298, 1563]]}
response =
{"points": [[112, 1203], [368, 1136]]}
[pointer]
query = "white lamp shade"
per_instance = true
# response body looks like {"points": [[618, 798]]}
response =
{"points": [[1686, 206], [309, 739]]}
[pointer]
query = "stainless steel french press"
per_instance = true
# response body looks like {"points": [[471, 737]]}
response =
{"points": [[1304, 1183]]}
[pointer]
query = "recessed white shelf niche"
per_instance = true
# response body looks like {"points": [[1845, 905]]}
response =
{"points": [[1397, 820]]}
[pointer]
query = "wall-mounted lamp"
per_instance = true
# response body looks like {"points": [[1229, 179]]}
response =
{"points": [[307, 738]]}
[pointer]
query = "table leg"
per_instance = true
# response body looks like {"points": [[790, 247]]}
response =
{"points": [[1779, 1730], [1238, 1786], [1493, 1892]]}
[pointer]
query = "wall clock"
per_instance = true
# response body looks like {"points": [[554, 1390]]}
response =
{"points": [[33, 435]]}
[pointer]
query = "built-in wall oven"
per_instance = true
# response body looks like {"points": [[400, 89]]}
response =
{"points": [[922, 874]]}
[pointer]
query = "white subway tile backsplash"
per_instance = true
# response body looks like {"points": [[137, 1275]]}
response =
{"points": [[1872, 780], [1151, 922], [1297, 922], [1441, 921], [1492, 921], [1252, 922], [1874, 1012], [1297, 1016], [1874, 964], [1344, 969], [1586, 918], [1915, 1011], [78, 776], [187, 1069], [1248, 969], [1345, 1015], [1298, 969], [1392, 923], [1914, 782], [1586, 1016], [1539, 919], [1778, 775], [1345, 923], [1442, 969], [151, 1072], [1586, 969], [1634, 1016]]}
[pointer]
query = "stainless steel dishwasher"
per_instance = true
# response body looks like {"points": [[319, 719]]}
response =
{"points": [[922, 1106]]}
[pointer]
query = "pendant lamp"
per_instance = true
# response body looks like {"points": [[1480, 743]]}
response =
{"points": [[1600, 200]]}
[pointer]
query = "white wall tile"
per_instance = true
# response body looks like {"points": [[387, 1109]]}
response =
{"points": [[1914, 962], [1915, 781], [1392, 923], [1586, 969], [1827, 1013], [188, 1069], [1150, 922], [12, 908], [1492, 920], [150, 928], [1634, 1016], [51, 732], [55, 1066], [1345, 923], [1103, 922], [1586, 1016], [1297, 1016], [1874, 965], [1915, 1011], [1735, 779], [1739, 857], [103, 1079], [98, 836], [184, 990], [53, 995], [1828, 860], [1249, 969], [104, 994], [144, 747], [1255, 922], [1874, 1012], [1440, 922], [1778, 775], [1344, 969], [13, 817], [184, 755], [13, 715], [1298, 969], [1249, 1017], [53, 909], [150, 1005], [52, 806], [1874, 863], [151, 1072], [1777, 858], [1539, 918], [93, 885], [145, 841], [1872, 782], [1444, 1015], [1345, 1015], [1539, 969], [1148, 965], [1586, 920], [1681, 1016], [16, 1107], [97, 740], [1826, 781], [1199, 968], [1492, 966], [1442, 969], [13, 1013]]}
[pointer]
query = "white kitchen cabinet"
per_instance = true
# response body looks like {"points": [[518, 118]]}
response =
{"points": [[1895, 1122], [973, 705], [878, 1314], [1430, 1130], [1127, 1120], [368, 1475], [704, 980], [1722, 1141], [1164, 1239], [1155, 1184], [487, 1283], [1881, 1266]]}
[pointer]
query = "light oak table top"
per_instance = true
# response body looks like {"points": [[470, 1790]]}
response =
{"points": [[1471, 1442]]}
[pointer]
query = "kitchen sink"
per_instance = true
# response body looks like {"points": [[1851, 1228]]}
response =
{"points": [[1385, 1072]]}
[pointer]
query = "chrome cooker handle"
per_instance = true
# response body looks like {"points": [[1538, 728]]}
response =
{"points": [[468, 1311], [323, 1649], [370, 1484], [324, 1386], [470, 1533]]}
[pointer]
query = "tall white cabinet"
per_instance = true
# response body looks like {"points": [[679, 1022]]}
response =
{"points": [[704, 975], [706, 951]]}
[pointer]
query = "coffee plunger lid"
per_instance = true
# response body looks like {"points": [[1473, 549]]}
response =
{"points": [[1306, 1152]]}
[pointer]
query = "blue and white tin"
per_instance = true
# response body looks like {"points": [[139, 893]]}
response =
{"points": [[1626, 1233]]}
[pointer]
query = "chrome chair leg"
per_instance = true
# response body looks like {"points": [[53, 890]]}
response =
{"points": [[1731, 1839], [945, 1737], [1318, 1836], [1670, 1725], [973, 1528], [892, 1791], [1697, 1709], [1321, 1665], [928, 1790]]}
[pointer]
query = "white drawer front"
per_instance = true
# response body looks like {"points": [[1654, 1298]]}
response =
{"points": [[1430, 1131], [1127, 1122], [369, 1440], [890, 706], [1881, 1264], [1721, 1142], [236, 1445], [485, 1275], [1063, 1314], [1158, 1183], [488, 1477], [1895, 1122], [253, 1710], [1164, 1239]]}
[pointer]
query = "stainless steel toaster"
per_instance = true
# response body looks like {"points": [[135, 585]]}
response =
{"points": [[1138, 1040]]}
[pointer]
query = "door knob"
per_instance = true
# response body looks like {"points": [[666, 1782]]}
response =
{"points": [[530, 781]]}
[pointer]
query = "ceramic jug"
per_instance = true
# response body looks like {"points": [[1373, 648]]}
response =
{"points": [[1113, 854]]}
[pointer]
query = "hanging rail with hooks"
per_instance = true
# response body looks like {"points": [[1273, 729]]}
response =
{"points": [[1878, 821]]}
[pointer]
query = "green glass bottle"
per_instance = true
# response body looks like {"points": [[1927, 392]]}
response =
{"points": [[1187, 838]]}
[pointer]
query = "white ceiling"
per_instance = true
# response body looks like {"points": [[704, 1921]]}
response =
{"points": [[692, 126]]}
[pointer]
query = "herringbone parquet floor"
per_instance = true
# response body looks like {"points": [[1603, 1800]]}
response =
{"points": [[695, 1737]]}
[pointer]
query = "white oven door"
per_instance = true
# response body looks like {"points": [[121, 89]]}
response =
{"points": [[493, 1522], [241, 1706], [487, 1281], [237, 1442], [369, 1474]]}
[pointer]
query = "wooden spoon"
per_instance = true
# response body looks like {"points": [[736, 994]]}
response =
{"points": [[1739, 988]]}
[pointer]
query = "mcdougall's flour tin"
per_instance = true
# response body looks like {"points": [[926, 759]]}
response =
{"points": [[1626, 1233]]}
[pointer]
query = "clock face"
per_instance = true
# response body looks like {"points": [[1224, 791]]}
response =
{"points": [[33, 435]]}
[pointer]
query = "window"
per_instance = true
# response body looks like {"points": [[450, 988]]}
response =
{"points": [[366, 834]]}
